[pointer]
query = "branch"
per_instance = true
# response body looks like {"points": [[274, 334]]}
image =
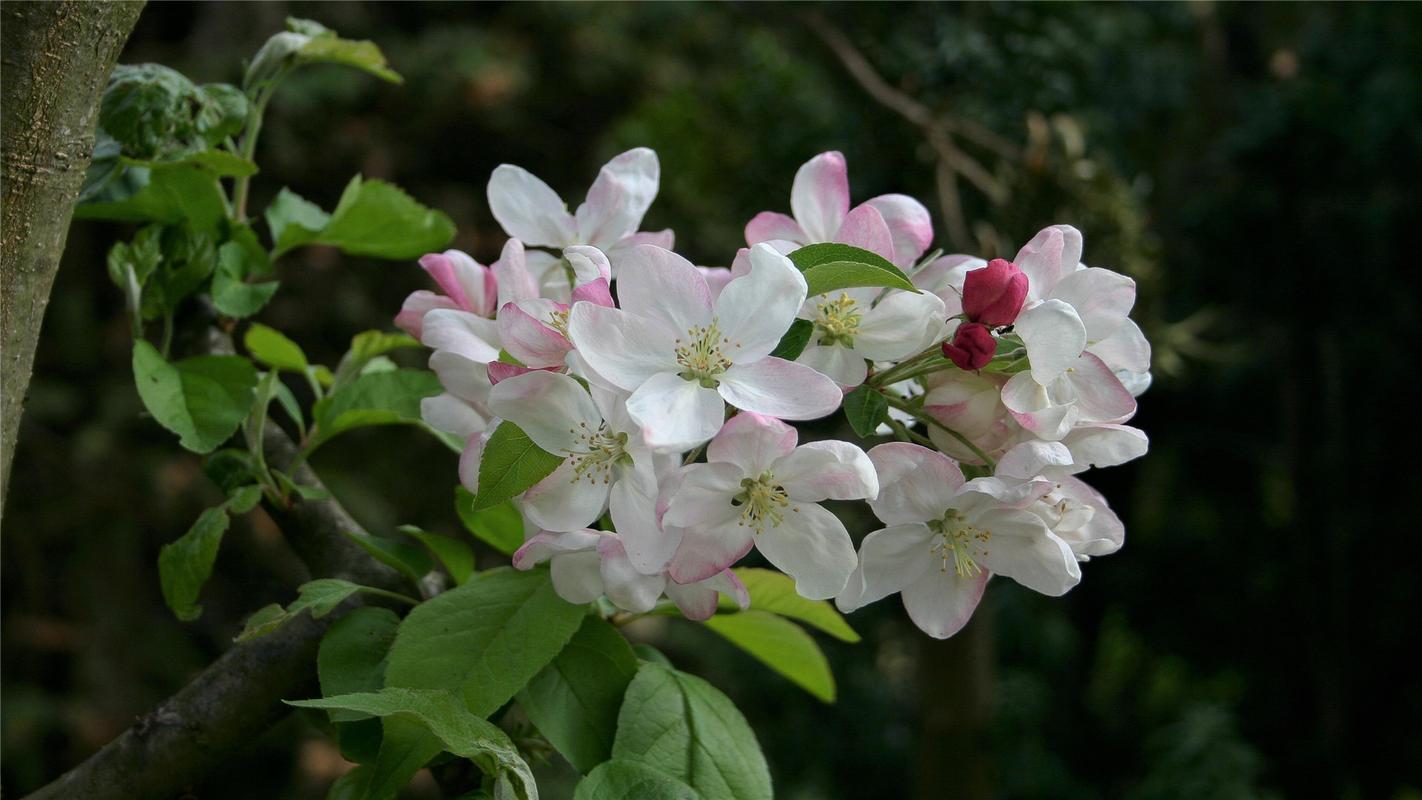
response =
{"points": [[57, 58], [239, 695]]}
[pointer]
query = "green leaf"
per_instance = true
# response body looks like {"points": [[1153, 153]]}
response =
{"points": [[203, 400], [781, 645], [365, 348], [244, 499], [271, 347], [775, 592], [131, 263], [866, 409], [511, 463], [792, 344], [377, 219], [309, 42], [831, 266], [186, 564], [231, 294], [628, 780], [155, 112], [575, 699], [293, 221], [680, 725], [409, 560], [353, 655], [380, 398], [485, 639], [646, 652], [170, 193], [453, 727], [455, 555], [320, 596], [500, 526]]}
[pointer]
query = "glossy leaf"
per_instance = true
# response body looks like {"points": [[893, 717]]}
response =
{"points": [[380, 398], [203, 399], [273, 348], [781, 645], [320, 597], [500, 526], [231, 293], [511, 463], [378, 219], [866, 409], [353, 654], [293, 221], [775, 592], [484, 639], [628, 780], [575, 699], [455, 555], [792, 344]]}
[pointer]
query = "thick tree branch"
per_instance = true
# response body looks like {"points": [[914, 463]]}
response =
{"points": [[239, 695], [56, 60]]}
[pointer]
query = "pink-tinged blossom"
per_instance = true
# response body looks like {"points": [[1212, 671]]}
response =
{"points": [[1076, 513], [971, 404], [993, 295], [852, 325], [971, 347], [758, 489], [534, 329], [946, 536], [608, 220], [467, 286], [684, 356], [587, 564], [895, 226]]}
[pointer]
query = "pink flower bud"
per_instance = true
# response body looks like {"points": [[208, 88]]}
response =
{"points": [[972, 347], [993, 295]]}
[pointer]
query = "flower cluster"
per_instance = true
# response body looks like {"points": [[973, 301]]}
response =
{"points": [[662, 390]]}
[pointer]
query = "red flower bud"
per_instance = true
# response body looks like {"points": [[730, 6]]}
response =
{"points": [[972, 347], [993, 295]]}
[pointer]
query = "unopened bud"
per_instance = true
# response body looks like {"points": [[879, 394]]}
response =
{"points": [[973, 346], [993, 295]]}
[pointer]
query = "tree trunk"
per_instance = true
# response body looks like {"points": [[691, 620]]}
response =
{"points": [[955, 680], [56, 59]]}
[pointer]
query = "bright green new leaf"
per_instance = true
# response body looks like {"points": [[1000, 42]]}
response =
{"points": [[309, 42], [628, 780], [365, 348], [813, 255], [484, 639], [456, 556], [781, 645], [866, 409], [775, 592], [321, 596], [273, 348], [379, 398], [407, 559], [510, 464], [170, 193], [377, 219], [681, 726], [830, 266], [575, 699], [454, 728], [792, 344], [203, 399], [293, 221], [231, 294], [500, 526], [185, 565]]}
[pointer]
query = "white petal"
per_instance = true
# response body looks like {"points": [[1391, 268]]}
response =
{"points": [[546, 544], [707, 549], [1052, 253], [780, 388], [902, 324], [827, 470], [1054, 337], [577, 577], [624, 349], [811, 546], [909, 223], [1106, 445], [1100, 396], [632, 506], [752, 442], [1030, 459], [843, 365], [554, 410], [529, 210], [674, 413], [1102, 299], [1047, 411], [701, 495], [1102, 533], [819, 198], [915, 484], [515, 281], [619, 198], [865, 228], [627, 588], [889, 560], [473, 337], [769, 225], [1023, 549], [940, 603], [588, 263], [564, 501], [755, 311], [662, 285], [445, 412], [467, 380], [1126, 349]]}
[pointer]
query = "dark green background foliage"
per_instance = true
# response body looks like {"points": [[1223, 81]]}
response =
{"points": [[1255, 167]]}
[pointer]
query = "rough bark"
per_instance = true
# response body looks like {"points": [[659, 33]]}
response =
{"points": [[955, 681], [56, 60], [237, 697]]}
